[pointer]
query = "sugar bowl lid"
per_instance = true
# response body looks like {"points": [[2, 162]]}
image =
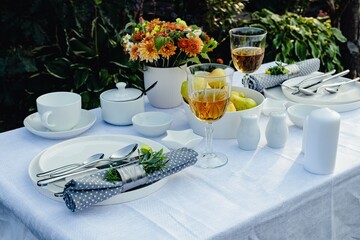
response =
{"points": [[121, 94]]}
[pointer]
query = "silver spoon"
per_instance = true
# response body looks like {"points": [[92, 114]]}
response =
{"points": [[69, 167], [334, 88], [312, 92], [120, 154]]}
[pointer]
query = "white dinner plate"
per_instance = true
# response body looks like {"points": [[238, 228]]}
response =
{"points": [[33, 124], [347, 93], [277, 93], [76, 150]]}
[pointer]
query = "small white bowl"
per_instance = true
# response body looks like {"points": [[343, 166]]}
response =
{"points": [[298, 113], [272, 105], [152, 124], [178, 139]]}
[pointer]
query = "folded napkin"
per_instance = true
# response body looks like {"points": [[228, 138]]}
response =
{"points": [[262, 81], [86, 191]]}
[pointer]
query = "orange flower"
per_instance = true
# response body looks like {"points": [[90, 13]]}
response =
{"points": [[152, 24], [147, 50], [138, 36], [134, 53], [167, 50], [191, 46]]}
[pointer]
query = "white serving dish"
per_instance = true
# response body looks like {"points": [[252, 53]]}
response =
{"points": [[178, 139], [117, 106], [152, 124], [227, 126], [298, 113]]}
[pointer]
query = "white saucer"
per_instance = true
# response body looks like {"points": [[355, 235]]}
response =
{"points": [[51, 154], [33, 124]]}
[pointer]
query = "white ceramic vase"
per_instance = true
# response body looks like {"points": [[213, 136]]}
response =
{"points": [[166, 93]]}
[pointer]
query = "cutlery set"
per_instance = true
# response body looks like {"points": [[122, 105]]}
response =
{"points": [[313, 85], [119, 158]]}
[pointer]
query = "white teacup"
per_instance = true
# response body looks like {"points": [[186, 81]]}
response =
{"points": [[59, 111]]}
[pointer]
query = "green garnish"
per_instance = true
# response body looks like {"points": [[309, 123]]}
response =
{"points": [[150, 160], [277, 70], [112, 175]]}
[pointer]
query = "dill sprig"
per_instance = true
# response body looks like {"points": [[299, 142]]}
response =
{"points": [[277, 70], [112, 175]]}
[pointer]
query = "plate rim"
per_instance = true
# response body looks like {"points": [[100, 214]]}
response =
{"points": [[276, 93], [309, 100], [50, 189]]}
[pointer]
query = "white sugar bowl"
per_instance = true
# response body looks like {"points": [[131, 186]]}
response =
{"points": [[119, 105]]}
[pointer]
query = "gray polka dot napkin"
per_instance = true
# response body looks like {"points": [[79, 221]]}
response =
{"points": [[86, 191], [262, 81]]}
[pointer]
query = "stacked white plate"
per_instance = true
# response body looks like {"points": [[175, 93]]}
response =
{"points": [[346, 99], [77, 150]]}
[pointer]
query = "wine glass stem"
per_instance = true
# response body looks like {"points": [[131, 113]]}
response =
{"points": [[208, 138], [245, 80]]}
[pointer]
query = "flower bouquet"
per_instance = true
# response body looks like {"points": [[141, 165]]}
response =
{"points": [[166, 44], [163, 50]]}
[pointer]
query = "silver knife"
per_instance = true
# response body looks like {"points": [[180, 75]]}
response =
{"points": [[340, 74], [46, 181]]}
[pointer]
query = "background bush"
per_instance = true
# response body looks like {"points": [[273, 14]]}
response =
{"points": [[53, 45]]}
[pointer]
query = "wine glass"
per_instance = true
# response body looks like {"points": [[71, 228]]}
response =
{"points": [[247, 45], [209, 88]]}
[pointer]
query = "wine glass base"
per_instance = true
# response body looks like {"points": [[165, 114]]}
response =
{"points": [[211, 160]]}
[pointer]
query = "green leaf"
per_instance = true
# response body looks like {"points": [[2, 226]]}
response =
{"points": [[286, 47], [59, 68], [339, 36], [81, 50], [315, 51], [300, 50], [159, 42], [80, 77]]}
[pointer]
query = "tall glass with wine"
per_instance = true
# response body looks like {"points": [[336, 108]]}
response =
{"points": [[247, 45], [209, 88]]}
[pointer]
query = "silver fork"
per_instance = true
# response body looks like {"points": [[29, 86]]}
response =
{"points": [[296, 87]]}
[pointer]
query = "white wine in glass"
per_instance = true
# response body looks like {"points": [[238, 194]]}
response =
{"points": [[209, 88], [247, 45]]}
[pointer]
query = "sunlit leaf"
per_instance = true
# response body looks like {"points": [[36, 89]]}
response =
{"points": [[339, 36]]}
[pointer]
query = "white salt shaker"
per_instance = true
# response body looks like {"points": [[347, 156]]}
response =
{"points": [[248, 134], [321, 141], [277, 130]]}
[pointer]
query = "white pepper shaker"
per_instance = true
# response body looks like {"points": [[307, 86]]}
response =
{"points": [[321, 141], [248, 134], [277, 130]]}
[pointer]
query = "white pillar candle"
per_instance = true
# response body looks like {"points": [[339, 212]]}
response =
{"points": [[321, 141]]}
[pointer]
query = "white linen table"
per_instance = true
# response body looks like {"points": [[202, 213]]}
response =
{"points": [[262, 194]]}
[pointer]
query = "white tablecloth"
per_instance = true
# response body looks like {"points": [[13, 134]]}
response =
{"points": [[262, 194]]}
